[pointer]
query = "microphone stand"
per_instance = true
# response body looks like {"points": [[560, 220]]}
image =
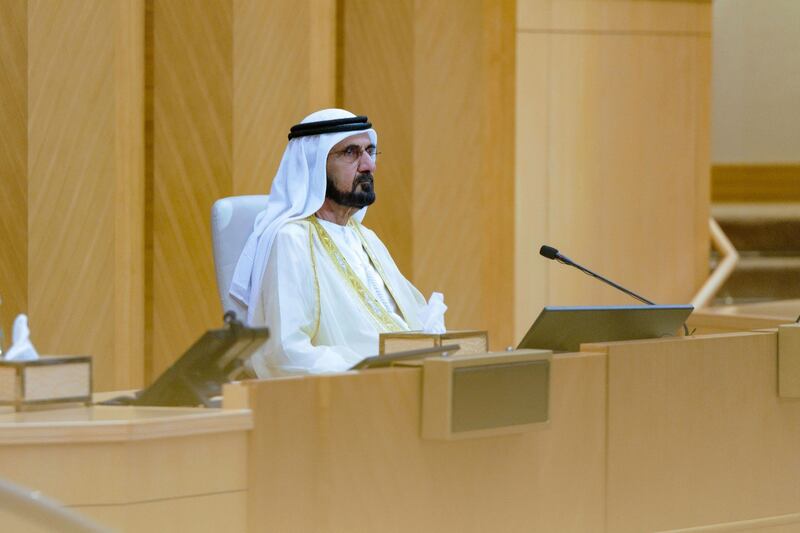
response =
{"points": [[551, 253]]}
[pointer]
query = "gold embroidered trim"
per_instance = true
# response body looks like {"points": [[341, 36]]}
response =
{"points": [[316, 279], [378, 267], [375, 308]]}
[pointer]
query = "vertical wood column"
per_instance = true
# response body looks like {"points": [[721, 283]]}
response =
{"points": [[129, 201], [192, 160], [438, 84], [85, 155], [284, 59], [13, 162]]}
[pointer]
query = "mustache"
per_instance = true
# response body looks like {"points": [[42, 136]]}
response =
{"points": [[363, 178], [366, 180]]}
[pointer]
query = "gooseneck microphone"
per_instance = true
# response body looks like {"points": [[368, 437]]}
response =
{"points": [[551, 253]]}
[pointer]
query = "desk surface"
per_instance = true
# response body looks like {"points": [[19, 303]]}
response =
{"points": [[744, 317], [781, 309], [116, 423]]}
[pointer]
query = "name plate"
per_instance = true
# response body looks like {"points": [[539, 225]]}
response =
{"points": [[47, 380], [470, 341], [482, 395]]}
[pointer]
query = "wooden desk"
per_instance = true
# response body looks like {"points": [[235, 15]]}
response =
{"points": [[655, 435], [344, 453], [658, 435], [744, 317], [132, 468]]}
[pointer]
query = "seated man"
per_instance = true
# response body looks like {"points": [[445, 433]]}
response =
{"points": [[324, 284]]}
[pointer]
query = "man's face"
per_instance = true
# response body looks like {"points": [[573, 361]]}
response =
{"points": [[349, 171]]}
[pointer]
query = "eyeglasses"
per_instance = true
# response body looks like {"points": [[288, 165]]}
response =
{"points": [[353, 153]]}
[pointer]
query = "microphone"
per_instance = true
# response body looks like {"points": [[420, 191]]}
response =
{"points": [[551, 253]]}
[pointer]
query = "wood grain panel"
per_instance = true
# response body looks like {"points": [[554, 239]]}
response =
{"points": [[531, 199], [448, 164], [192, 158], [697, 434], [129, 195], [13, 162], [284, 68], [498, 268], [623, 169], [377, 81], [351, 458], [648, 16], [612, 159], [439, 87], [71, 121]]}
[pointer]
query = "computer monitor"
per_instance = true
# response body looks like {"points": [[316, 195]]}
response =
{"points": [[564, 329]]}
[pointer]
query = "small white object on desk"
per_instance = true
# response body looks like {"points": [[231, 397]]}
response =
{"points": [[27, 380], [432, 316], [21, 348]]}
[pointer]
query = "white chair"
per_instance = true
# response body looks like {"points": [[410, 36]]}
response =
{"points": [[232, 221]]}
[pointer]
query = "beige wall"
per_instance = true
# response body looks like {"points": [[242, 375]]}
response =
{"points": [[756, 82]]}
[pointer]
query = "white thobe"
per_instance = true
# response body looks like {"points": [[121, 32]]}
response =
{"points": [[325, 310]]}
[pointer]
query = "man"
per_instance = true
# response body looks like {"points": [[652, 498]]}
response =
{"points": [[324, 284]]}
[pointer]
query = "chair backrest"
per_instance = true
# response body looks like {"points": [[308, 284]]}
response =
{"points": [[232, 222]]}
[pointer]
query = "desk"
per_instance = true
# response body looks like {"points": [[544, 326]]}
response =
{"points": [[684, 433], [744, 317], [132, 468], [651, 435]]}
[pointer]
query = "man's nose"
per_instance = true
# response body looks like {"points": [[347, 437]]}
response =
{"points": [[366, 164]]}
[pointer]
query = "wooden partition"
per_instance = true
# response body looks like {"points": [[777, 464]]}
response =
{"points": [[698, 437], [612, 150]]}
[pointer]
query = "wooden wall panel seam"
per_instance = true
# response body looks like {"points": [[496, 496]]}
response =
{"points": [[578, 31]]}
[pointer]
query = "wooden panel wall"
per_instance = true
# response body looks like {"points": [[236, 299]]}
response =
{"points": [[84, 174], [612, 150], [439, 90], [13, 161], [123, 122], [127, 119]]}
